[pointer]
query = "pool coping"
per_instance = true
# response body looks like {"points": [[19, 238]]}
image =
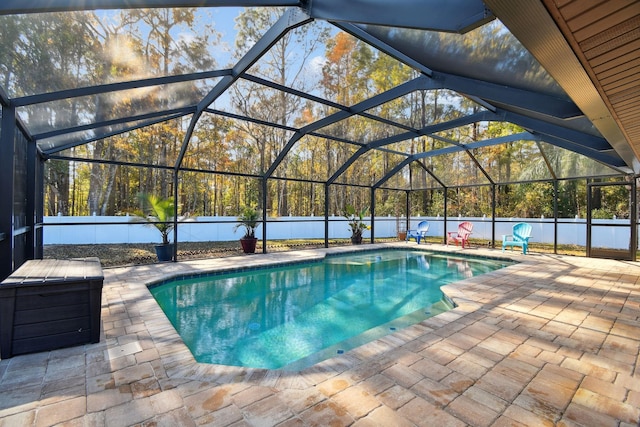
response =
{"points": [[180, 363], [316, 258]]}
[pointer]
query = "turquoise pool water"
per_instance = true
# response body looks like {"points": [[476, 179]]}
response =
{"points": [[294, 316]]}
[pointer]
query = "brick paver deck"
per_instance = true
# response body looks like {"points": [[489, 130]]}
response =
{"points": [[552, 340]]}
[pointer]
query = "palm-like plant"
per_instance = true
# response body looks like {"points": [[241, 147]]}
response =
{"points": [[356, 222], [157, 212], [249, 218]]}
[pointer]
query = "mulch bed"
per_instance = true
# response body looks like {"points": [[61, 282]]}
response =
{"points": [[116, 255]]}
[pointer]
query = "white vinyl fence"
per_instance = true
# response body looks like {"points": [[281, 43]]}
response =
{"points": [[122, 229]]}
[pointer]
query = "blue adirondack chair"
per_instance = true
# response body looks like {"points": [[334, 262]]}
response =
{"points": [[520, 237], [419, 232]]}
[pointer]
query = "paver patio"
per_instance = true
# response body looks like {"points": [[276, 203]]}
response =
{"points": [[553, 340]]}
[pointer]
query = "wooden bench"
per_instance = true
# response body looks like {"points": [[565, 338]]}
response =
{"points": [[48, 304]]}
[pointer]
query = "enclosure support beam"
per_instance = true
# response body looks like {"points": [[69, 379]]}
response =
{"points": [[326, 215], [11, 7], [372, 203], [446, 202], [140, 121], [588, 145], [30, 206], [406, 211], [264, 214], [555, 216], [633, 215], [493, 216], [501, 94], [589, 217], [176, 196], [7, 174], [39, 206]]}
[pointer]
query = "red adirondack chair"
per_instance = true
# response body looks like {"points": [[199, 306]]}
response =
{"points": [[462, 235]]}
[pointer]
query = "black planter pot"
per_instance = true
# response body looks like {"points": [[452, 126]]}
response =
{"points": [[249, 244], [356, 240], [164, 252]]}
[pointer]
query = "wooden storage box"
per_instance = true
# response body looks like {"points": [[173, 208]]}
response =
{"points": [[48, 304]]}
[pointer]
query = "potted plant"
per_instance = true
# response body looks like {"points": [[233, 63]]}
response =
{"points": [[249, 218], [158, 212], [355, 219]]}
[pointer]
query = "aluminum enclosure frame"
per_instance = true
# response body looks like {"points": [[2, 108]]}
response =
{"points": [[543, 117]]}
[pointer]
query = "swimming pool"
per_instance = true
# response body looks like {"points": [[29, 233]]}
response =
{"points": [[293, 316]]}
